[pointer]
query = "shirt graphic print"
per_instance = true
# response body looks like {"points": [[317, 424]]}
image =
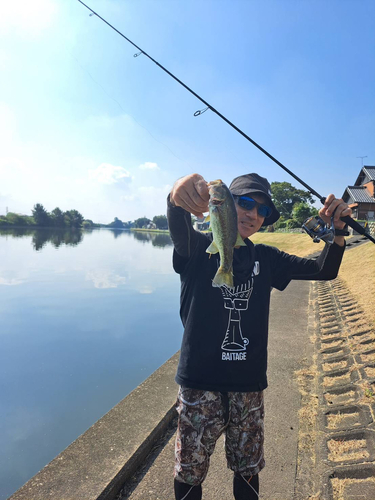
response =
{"points": [[236, 300]]}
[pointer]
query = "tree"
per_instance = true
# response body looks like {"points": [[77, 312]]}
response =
{"points": [[57, 217], [142, 221], [160, 221], [302, 210], [285, 196], [40, 215], [117, 224], [87, 224], [73, 218], [15, 219]]}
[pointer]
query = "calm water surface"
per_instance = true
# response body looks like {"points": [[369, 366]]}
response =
{"points": [[85, 318]]}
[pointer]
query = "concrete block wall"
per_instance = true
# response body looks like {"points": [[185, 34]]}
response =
{"points": [[371, 227]]}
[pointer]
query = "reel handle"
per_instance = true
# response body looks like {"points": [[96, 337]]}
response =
{"points": [[354, 224]]}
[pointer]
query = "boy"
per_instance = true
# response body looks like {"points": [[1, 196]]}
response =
{"points": [[223, 360]]}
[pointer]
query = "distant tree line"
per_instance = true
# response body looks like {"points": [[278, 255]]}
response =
{"points": [[157, 222], [41, 218], [73, 219]]}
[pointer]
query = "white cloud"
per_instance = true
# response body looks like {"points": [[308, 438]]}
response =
{"points": [[146, 289], [105, 278], [148, 165], [10, 282], [106, 173]]}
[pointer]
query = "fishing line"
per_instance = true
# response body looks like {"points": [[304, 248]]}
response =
{"points": [[351, 222]]}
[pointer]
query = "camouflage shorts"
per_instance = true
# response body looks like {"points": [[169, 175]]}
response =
{"points": [[203, 417]]}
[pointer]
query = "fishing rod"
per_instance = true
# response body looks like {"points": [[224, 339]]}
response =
{"points": [[347, 219]]}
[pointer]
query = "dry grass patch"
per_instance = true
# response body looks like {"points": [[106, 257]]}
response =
{"points": [[340, 485], [317, 496], [344, 398], [358, 323], [325, 302], [352, 449], [326, 323], [331, 343], [336, 419], [329, 355], [297, 244], [370, 371], [327, 333], [358, 273], [334, 343], [355, 318], [361, 329], [304, 377], [336, 365], [342, 379], [368, 357], [306, 380], [368, 392]]}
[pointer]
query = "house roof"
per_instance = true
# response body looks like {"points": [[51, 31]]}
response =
{"points": [[367, 174], [358, 194], [370, 172]]}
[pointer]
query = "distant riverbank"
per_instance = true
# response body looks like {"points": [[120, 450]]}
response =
{"points": [[138, 229]]}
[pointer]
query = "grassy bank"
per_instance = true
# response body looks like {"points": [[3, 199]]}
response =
{"points": [[358, 272], [138, 229], [297, 244]]}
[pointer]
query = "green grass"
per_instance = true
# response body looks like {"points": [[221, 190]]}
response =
{"points": [[149, 230]]}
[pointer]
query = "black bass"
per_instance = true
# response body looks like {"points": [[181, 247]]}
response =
{"points": [[223, 217]]}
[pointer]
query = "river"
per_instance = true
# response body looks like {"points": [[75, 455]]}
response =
{"points": [[86, 316]]}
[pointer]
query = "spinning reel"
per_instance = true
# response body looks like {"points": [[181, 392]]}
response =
{"points": [[318, 230]]}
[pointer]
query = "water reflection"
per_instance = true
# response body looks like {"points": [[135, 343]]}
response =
{"points": [[70, 237], [99, 315], [57, 237], [41, 236], [157, 239]]}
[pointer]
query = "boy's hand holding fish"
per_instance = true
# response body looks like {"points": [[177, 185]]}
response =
{"points": [[191, 193]]}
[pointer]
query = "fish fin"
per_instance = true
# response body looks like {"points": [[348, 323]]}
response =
{"points": [[223, 278], [207, 218], [239, 242], [212, 248]]}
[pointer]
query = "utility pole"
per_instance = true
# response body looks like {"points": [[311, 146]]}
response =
{"points": [[362, 158]]}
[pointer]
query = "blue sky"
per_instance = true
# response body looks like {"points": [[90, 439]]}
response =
{"points": [[85, 125]]}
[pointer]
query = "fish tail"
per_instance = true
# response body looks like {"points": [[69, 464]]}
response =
{"points": [[223, 277]]}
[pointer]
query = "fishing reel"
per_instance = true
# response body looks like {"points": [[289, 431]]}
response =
{"points": [[318, 230]]}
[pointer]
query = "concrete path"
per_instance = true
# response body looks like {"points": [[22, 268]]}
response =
{"points": [[288, 346]]}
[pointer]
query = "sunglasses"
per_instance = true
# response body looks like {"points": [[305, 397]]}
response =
{"points": [[248, 204]]}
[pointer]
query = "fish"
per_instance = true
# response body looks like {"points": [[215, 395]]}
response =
{"points": [[223, 219]]}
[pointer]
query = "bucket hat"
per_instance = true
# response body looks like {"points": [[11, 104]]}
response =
{"points": [[252, 184]]}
